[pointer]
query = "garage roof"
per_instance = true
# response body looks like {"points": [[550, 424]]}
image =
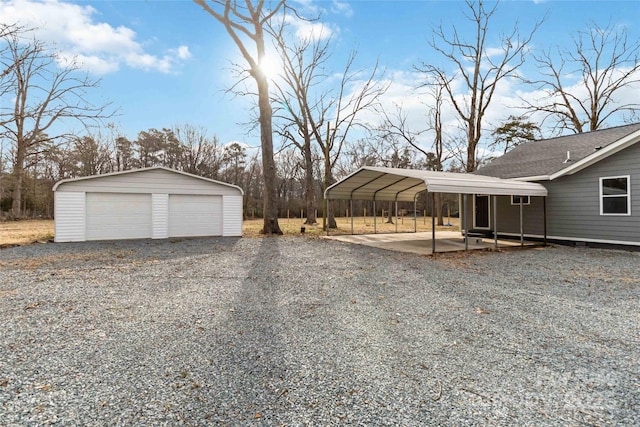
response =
{"points": [[376, 183], [142, 170]]}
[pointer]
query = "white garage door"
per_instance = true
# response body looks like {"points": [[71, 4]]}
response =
{"points": [[118, 216], [191, 215]]}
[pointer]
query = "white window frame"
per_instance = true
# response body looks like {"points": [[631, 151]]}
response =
{"points": [[628, 195], [526, 200]]}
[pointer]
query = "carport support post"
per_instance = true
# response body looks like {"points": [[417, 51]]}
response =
{"points": [[351, 212], [544, 213], [396, 214], [375, 215], [464, 222], [521, 225], [433, 224], [415, 215], [495, 221]]}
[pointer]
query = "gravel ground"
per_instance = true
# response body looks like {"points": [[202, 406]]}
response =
{"points": [[296, 331]]}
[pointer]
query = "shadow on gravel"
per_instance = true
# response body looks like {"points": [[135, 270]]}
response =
{"points": [[250, 357], [113, 252]]}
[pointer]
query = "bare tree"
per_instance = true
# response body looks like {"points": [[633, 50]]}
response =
{"points": [[478, 71], [395, 125], [201, 154], [605, 63], [45, 92], [308, 105], [303, 62], [354, 96], [246, 19]]}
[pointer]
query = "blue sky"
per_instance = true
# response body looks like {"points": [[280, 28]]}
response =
{"points": [[168, 62]]}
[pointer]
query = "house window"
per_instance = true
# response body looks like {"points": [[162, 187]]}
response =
{"points": [[615, 195], [515, 200]]}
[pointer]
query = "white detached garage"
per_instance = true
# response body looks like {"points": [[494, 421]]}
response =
{"points": [[154, 203]]}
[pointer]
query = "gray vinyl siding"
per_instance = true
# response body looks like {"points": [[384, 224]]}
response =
{"points": [[149, 181], [573, 205]]}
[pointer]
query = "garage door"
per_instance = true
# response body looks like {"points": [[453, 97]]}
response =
{"points": [[118, 216], [191, 215]]}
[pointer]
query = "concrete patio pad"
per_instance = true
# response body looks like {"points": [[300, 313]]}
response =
{"points": [[420, 243]]}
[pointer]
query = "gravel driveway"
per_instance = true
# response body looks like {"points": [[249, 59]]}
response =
{"points": [[296, 331]]}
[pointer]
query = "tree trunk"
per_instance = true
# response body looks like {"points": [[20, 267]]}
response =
{"points": [[18, 174], [439, 209], [271, 225], [390, 213], [310, 190], [331, 219]]}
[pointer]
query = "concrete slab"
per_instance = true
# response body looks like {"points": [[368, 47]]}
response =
{"points": [[420, 243]]}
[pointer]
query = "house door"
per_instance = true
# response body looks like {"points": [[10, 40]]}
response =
{"points": [[481, 211]]}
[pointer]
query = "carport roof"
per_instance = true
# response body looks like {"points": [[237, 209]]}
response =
{"points": [[376, 183]]}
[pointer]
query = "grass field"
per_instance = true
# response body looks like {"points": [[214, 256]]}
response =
{"points": [[31, 231]]}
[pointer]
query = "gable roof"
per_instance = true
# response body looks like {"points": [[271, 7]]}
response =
{"points": [[132, 171], [545, 159]]}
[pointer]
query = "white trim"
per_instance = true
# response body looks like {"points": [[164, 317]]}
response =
{"points": [[575, 239], [528, 202], [488, 227], [595, 157], [628, 195], [533, 178]]}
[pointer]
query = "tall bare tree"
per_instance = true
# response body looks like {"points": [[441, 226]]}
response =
{"points": [[478, 71], [395, 125], [315, 114], [45, 92], [247, 19], [302, 104], [202, 155], [582, 85]]}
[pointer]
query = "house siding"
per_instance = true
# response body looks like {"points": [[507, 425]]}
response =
{"points": [[573, 205]]}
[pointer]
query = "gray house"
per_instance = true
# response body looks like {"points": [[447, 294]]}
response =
{"points": [[593, 184]]}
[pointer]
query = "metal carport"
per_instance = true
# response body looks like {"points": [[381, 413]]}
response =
{"points": [[403, 185]]}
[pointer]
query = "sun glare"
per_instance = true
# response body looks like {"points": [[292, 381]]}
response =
{"points": [[270, 68]]}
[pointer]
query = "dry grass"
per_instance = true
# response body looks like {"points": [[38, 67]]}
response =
{"points": [[361, 225], [31, 231], [24, 232]]}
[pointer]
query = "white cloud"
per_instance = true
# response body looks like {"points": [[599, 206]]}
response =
{"points": [[342, 8], [306, 30], [182, 52], [100, 48]]}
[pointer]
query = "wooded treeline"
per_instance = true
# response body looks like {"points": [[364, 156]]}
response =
{"points": [[187, 148], [317, 122]]}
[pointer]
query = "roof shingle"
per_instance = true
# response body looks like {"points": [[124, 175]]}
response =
{"points": [[546, 156]]}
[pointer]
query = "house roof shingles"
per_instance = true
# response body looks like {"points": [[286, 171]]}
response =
{"points": [[545, 157]]}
